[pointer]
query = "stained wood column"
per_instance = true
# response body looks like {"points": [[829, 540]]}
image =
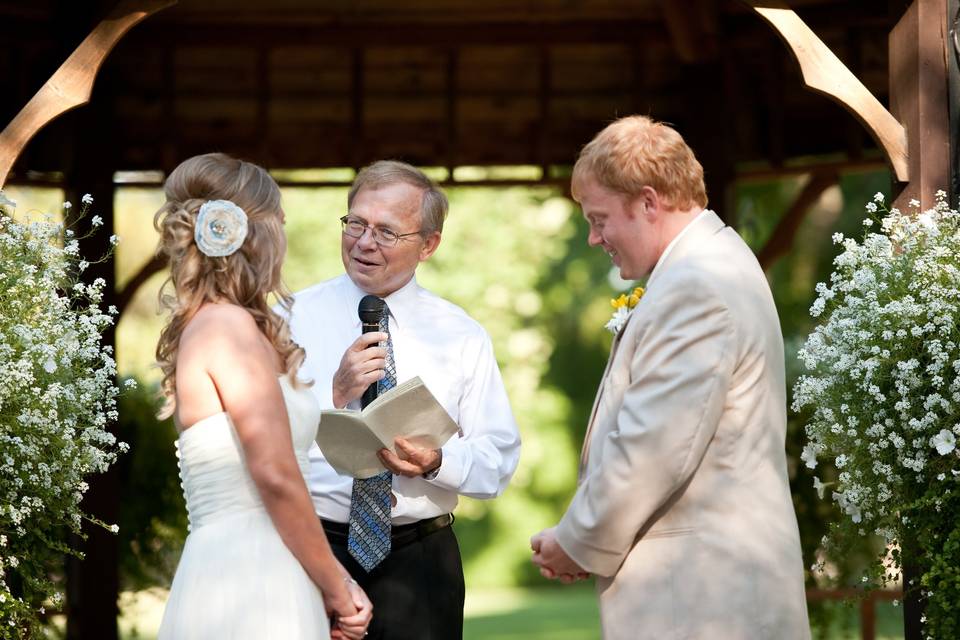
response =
{"points": [[93, 584], [918, 98]]}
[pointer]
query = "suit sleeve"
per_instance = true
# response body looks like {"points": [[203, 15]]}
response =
{"points": [[679, 375]]}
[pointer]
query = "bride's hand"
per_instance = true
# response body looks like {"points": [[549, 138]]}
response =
{"points": [[339, 604], [355, 627]]}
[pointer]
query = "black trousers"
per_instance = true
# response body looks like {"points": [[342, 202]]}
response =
{"points": [[417, 591]]}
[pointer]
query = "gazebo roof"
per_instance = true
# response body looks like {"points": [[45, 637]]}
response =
{"points": [[295, 83]]}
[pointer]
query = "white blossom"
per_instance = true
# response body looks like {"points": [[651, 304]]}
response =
{"points": [[944, 442], [87, 199]]}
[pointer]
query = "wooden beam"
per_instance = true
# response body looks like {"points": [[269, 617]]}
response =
{"points": [[692, 27], [918, 97], [71, 85], [824, 72], [781, 239], [155, 265]]}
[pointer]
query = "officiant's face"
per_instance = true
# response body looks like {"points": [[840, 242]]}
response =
{"points": [[382, 269], [621, 226]]}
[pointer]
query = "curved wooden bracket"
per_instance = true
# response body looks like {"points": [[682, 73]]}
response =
{"points": [[70, 86], [824, 72]]}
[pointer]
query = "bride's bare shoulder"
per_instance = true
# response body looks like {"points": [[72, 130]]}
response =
{"points": [[220, 321]]}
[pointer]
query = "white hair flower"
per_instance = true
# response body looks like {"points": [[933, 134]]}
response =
{"points": [[220, 229]]}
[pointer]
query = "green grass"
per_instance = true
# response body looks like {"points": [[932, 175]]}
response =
{"points": [[532, 614], [525, 614]]}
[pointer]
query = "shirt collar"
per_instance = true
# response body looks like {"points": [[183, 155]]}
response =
{"points": [[400, 303], [676, 239]]}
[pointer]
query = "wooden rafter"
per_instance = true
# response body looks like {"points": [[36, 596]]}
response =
{"points": [[781, 240], [824, 72], [70, 85]]}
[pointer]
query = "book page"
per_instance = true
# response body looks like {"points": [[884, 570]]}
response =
{"points": [[409, 410], [348, 445]]}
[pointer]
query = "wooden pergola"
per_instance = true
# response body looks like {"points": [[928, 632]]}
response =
{"points": [[458, 83]]}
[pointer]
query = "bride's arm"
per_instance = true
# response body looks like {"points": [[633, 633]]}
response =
{"points": [[242, 366]]}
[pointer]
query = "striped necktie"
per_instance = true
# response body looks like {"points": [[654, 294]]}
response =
{"points": [[368, 540]]}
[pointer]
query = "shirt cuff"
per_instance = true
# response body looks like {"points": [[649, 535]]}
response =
{"points": [[430, 475], [448, 474]]}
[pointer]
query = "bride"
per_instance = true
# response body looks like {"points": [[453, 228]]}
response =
{"points": [[256, 563]]}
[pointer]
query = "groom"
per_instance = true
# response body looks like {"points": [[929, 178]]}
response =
{"points": [[683, 509]]}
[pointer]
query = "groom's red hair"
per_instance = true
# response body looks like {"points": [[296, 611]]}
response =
{"points": [[636, 151]]}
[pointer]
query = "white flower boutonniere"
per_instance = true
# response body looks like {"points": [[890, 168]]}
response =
{"points": [[622, 307]]}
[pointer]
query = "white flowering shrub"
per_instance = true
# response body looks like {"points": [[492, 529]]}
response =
{"points": [[57, 396], [883, 395]]}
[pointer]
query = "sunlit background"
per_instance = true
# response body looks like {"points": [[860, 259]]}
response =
{"points": [[516, 259]]}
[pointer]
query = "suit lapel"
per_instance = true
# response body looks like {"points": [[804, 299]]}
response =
{"points": [[700, 231], [585, 448]]}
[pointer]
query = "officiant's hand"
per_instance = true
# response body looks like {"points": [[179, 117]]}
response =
{"points": [[360, 367], [553, 561], [412, 461]]}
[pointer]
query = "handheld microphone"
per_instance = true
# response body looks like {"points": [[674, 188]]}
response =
{"points": [[370, 311]]}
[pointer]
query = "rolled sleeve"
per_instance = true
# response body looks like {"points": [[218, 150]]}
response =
{"points": [[480, 462]]}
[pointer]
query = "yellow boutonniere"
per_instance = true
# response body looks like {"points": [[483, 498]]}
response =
{"points": [[622, 306]]}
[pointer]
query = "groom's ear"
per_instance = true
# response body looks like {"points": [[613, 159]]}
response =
{"points": [[646, 203]]}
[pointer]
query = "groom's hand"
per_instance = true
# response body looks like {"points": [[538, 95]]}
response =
{"points": [[553, 561], [360, 367]]}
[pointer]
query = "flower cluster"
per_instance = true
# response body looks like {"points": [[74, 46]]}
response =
{"points": [[622, 306], [883, 382], [57, 397]]}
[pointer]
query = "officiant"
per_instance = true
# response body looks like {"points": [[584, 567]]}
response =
{"points": [[392, 532]]}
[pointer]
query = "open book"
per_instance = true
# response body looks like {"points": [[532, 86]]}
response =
{"points": [[350, 439]]}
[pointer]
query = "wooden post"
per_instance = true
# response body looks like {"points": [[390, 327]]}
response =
{"points": [[953, 95], [868, 622], [93, 584], [918, 98]]}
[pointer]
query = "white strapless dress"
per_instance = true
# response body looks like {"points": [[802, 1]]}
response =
{"points": [[236, 578]]}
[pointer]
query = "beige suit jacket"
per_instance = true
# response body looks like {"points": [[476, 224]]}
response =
{"points": [[683, 509]]}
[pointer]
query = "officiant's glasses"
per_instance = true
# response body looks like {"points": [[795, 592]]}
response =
{"points": [[355, 228]]}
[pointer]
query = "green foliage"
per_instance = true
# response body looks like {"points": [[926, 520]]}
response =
{"points": [[57, 395], [153, 518]]}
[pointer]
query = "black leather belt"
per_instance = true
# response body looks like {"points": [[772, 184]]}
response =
{"points": [[400, 535]]}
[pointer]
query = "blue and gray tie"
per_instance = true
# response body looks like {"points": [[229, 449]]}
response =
{"points": [[369, 536]]}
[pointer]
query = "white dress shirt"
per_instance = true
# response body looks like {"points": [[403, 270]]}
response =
{"points": [[453, 355]]}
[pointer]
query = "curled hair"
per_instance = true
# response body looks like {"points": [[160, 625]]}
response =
{"points": [[383, 173], [636, 151], [244, 278]]}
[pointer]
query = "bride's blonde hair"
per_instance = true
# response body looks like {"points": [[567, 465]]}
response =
{"points": [[244, 278]]}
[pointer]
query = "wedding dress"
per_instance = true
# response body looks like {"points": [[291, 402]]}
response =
{"points": [[236, 578]]}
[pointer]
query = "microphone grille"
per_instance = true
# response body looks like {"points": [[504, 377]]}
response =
{"points": [[371, 309]]}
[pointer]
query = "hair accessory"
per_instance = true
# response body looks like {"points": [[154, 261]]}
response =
{"points": [[220, 229]]}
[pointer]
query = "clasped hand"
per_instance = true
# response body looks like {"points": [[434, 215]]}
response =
{"points": [[353, 616], [553, 561]]}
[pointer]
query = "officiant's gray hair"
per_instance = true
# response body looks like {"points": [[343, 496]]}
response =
{"points": [[383, 173]]}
